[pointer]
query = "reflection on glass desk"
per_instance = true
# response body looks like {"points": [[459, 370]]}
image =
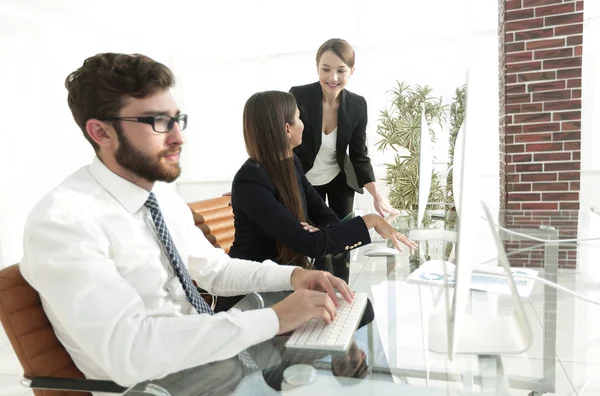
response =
{"points": [[390, 356]]}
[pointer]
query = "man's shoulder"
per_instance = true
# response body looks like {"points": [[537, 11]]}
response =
{"points": [[77, 194]]}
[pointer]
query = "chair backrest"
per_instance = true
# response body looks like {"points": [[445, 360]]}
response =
{"points": [[215, 218], [38, 349]]}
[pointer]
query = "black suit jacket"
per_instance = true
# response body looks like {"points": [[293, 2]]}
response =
{"points": [[351, 133], [260, 220]]}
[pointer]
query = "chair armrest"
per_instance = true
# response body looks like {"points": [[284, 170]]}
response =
{"points": [[258, 299], [73, 384]]}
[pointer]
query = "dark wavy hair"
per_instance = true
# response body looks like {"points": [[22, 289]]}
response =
{"points": [[101, 85]]}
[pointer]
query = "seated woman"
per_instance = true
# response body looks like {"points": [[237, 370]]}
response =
{"points": [[278, 215]]}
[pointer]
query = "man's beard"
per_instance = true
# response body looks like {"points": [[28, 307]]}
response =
{"points": [[143, 165]]}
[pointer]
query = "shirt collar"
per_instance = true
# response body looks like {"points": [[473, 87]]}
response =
{"points": [[129, 195]]}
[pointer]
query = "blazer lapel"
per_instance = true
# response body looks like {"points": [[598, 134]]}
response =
{"points": [[343, 128], [316, 121]]}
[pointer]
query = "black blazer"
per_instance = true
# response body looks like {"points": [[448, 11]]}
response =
{"points": [[260, 220], [351, 133]]}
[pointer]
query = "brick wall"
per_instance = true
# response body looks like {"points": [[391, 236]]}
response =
{"points": [[540, 114]]}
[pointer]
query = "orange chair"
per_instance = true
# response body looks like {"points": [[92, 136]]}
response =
{"points": [[215, 218], [46, 364]]}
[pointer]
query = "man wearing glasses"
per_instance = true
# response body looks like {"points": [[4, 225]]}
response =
{"points": [[113, 253]]}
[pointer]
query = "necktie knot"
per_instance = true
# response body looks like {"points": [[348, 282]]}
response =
{"points": [[151, 203]]}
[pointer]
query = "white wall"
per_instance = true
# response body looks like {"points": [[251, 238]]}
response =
{"points": [[221, 53], [589, 224]]}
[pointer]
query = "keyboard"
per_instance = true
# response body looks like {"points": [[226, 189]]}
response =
{"points": [[337, 336]]}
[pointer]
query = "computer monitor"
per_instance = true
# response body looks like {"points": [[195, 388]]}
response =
{"points": [[454, 331]]}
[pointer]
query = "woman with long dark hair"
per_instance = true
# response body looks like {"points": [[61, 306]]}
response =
{"points": [[278, 214]]}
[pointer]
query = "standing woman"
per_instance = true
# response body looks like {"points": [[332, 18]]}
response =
{"points": [[334, 152]]}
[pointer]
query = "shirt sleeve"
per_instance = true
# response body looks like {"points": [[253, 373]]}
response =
{"points": [[67, 260]]}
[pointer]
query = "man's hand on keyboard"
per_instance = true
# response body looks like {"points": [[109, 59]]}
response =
{"points": [[321, 281], [301, 306]]}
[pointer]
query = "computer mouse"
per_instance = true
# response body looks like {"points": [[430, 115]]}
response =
{"points": [[380, 251], [299, 374]]}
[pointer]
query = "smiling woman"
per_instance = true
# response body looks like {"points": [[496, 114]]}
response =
{"points": [[335, 122]]}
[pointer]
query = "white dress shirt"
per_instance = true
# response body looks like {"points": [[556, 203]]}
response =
{"points": [[111, 294], [325, 167]]}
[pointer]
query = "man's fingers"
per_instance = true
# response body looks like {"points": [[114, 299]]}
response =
{"points": [[343, 288], [326, 285]]}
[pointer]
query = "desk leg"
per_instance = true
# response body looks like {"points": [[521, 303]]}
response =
{"points": [[550, 310]]}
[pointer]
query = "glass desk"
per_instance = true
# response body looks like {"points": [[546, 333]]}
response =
{"points": [[390, 356]]}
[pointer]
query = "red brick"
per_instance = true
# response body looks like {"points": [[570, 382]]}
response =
{"points": [[551, 95], [521, 98], [579, 6], [565, 136], [553, 53], [571, 126], [578, 50], [521, 56], [513, 206], [569, 175], [572, 146], [562, 166], [569, 73], [522, 67], [525, 197], [531, 107], [560, 196], [525, 24], [547, 127], [563, 19], [569, 206], [512, 4], [515, 148], [568, 30], [539, 177], [562, 63], [575, 186], [574, 83], [534, 34], [566, 115], [509, 37], [536, 76], [539, 206], [532, 117], [547, 86], [508, 119], [540, 44], [562, 105], [512, 109], [512, 178], [509, 140], [519, 14], [574, 40], [515, 88], [550, 186], [576, 156], [540, 147], [533, 137], [510, 79], [555, 9], [519, 187], [515, 47], [576, 93], [521, 158], [528, 168], [512, 129], [536, 3], [548, 157]]}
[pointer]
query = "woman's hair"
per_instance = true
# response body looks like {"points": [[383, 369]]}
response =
{"points": [[339, 47], [265, 116]]}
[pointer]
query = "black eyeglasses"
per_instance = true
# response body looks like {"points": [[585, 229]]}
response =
{"points": [[160, 123]]}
